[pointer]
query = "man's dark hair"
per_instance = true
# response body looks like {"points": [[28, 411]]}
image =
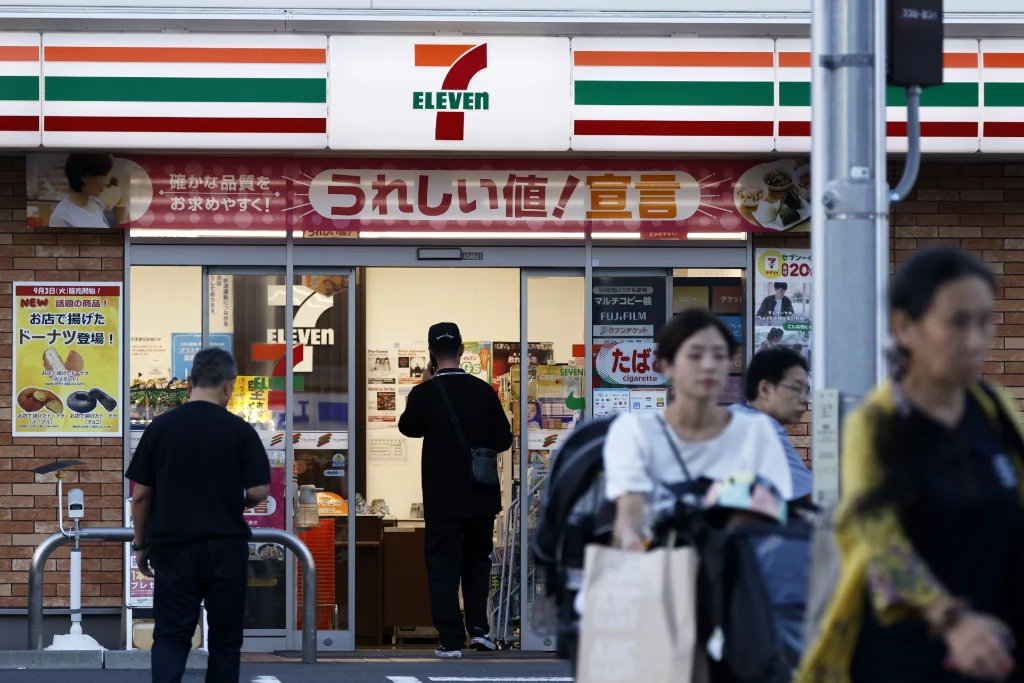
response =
{"points": [[212, 367], [685, 325], [770, 365], [78, 167], [782, 285]]}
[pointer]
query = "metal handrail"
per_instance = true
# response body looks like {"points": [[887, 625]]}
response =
{"points": [[126, 535]]}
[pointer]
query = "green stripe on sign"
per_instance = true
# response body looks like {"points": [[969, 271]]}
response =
{"points": [[1004, 94], [19, 87], [794, 94], [107, 89], [946, 95], [676, 93]]}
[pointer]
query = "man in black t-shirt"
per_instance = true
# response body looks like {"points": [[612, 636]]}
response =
{"points": [[458, 512], [195, 471]]}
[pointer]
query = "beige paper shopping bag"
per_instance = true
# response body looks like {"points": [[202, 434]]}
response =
{"points": [[640, 617]]}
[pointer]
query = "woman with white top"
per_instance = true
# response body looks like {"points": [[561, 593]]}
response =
{"points": [[87, 179], [652, 459]]}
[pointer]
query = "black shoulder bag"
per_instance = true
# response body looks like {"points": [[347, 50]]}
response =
{"points": [[483, 461]]}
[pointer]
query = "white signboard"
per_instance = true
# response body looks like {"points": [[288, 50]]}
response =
{"points": [[449, 93]]}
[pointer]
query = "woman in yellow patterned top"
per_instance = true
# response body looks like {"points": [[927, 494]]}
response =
{"points": [[929, 525]]}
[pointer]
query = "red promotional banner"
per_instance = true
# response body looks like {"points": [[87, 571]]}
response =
{"points": [[324, 195]]}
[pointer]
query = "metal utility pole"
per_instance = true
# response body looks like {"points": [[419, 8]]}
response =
{"points": [[851, 201]]}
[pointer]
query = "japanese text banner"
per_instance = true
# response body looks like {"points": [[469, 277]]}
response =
{"points": [[67, 359], [653, 198]]}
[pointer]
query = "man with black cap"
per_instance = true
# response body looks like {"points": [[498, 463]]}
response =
{"points": [[458, 512]]}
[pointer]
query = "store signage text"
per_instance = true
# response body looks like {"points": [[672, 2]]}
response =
{"points": [[455, 101], [306, 336]]}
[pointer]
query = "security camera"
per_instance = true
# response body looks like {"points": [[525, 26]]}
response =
{"points": [[76, 504]]}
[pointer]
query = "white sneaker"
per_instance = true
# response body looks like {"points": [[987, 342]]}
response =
{"points": [[445, 653], [482, 642]]}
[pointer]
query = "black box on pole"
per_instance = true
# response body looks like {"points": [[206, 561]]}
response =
{"points": [[914, 43]]}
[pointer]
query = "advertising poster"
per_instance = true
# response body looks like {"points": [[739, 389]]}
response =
{"points": [[381, 407], [67, 359], [139, 588], [413, 360], [506, 354], [250, 401], [477, 360], [381, 365], [610, 402], [628, 307], [627, 363], [269, 515], [782, 295], [185, 346], [663, 199]]}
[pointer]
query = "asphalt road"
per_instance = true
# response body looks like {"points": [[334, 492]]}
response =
{"points": [[467, 670]]}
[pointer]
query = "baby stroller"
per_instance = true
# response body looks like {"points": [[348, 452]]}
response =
{"points": [[573, 515], [753, 580]]}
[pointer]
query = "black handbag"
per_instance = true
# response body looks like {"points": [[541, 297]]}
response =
{"points": [[483, 461]]}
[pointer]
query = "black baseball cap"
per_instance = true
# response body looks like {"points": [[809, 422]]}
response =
{"points": [[444, 337]]}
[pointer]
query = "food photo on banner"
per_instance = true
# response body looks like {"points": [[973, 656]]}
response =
{"points": [[782, 295], [67, 363], [324, 197]]}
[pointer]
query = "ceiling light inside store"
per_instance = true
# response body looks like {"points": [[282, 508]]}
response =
{"points": [[716, 236], [446, 234], [239, 234]]}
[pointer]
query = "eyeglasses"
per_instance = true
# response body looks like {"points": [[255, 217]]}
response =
{"points": [[801, 392]]}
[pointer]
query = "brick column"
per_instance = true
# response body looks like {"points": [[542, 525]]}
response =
{"points": [[28, 502]]}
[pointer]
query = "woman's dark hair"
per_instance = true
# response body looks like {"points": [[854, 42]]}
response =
{"points": [[685, 325], [912, 292], [776, 333], [78, 167]]}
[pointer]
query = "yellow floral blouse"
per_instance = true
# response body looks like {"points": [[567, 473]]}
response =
{"points": [[875, 552]]}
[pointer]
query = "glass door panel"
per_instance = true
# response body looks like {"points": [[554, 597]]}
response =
{"points": [[321, 417], [550, 393], [241, 316]]}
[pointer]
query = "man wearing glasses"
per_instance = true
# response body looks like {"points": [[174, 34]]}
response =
{"points": [[777, 385]]}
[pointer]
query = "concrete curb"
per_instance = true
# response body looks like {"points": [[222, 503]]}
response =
{"points": [[140, 659], [88, 659], [51, 659]]}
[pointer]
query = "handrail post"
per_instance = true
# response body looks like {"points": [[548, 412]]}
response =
{"points": [[126, 534], [35, 587]]}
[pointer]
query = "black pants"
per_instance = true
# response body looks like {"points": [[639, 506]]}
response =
{"points": [[214, 571], [459, 550]]}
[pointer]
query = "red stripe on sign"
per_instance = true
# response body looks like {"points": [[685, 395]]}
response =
{"points": [[897, 129], [71, 289], [935, 129], [676, 128], [169, 124], [1004, 129], [19, 123]]}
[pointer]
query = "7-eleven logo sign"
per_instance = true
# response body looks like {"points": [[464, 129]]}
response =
{"points": [[454, 98]]}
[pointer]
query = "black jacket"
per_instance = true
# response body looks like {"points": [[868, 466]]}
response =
{"points": [[449, 491], [767, 309]]}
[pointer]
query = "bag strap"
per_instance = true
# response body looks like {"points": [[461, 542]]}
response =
{"points": [[672, 445], [454, 418]]}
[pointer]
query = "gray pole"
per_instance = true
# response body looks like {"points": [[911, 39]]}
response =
{"points": [[846, 170]]}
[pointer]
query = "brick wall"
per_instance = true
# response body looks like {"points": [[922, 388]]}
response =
{"points": [[978, 207], [28, 511]]}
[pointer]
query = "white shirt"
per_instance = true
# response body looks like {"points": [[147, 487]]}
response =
{"points": [[639, 459], [69, 215]]}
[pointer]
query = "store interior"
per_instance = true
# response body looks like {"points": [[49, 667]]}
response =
{"points": [[394, 309]]}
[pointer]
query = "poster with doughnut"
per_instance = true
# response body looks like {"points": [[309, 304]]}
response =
{"points": [[67, 359]]}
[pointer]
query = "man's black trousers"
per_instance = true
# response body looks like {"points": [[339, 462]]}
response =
{"points": [[459, 550], [214, 571]]}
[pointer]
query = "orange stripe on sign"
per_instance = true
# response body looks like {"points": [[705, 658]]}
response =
{"points": [[795, 59], [19, 53], [1004, 60], [189, 55], [960, 60], [440, 55], [621, 58], [263, 352]]}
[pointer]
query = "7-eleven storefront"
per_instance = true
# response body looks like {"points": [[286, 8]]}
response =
{"points": [[314, 202]]}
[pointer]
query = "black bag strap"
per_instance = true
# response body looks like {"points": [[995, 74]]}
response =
{"points": [[672, 445], [454, 418]]}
